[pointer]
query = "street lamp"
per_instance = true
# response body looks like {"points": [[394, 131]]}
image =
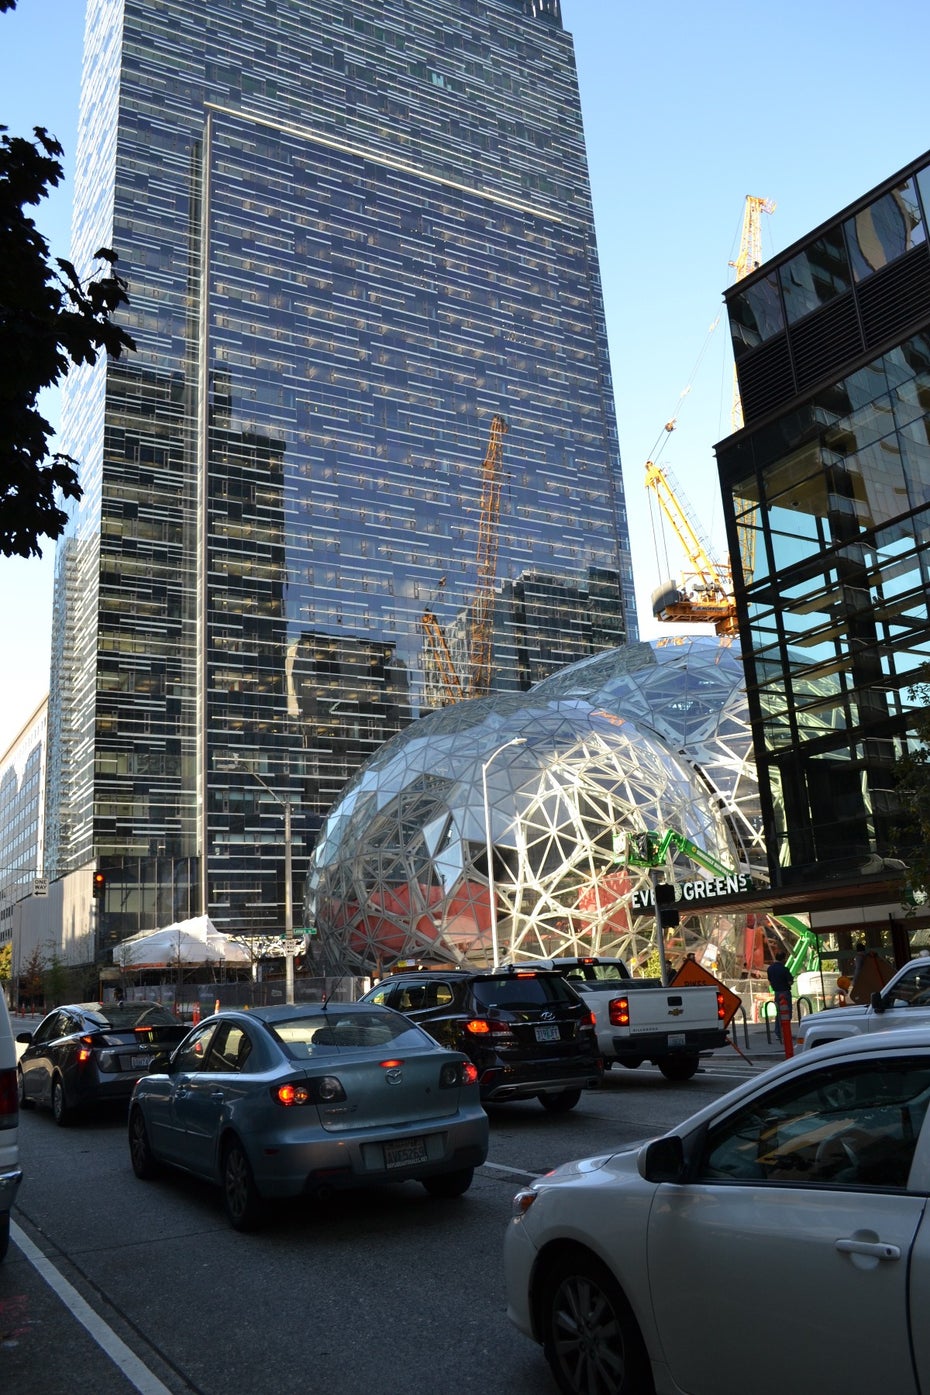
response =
{"points": [[514, 741]]}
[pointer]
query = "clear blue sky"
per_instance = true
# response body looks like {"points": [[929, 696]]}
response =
{"points": [[687, 108]]}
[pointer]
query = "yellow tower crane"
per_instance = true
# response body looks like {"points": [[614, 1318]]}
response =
{"points": [[705, 594], [750, 256], [481, 609]]}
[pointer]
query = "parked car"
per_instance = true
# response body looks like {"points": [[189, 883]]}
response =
{"points": [[10, 1170], [526, 1029], [92, 1053], [289, 1101], [777, 1239]]}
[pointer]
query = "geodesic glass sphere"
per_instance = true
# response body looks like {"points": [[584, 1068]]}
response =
{"points": [[493, 828]]}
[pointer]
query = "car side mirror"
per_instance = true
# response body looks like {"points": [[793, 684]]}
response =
{"points": [[877, 1002], [24, 1038], [662, 1160]]}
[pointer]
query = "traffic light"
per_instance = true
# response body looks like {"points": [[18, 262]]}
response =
{"points": [[665, 905], [100, 884]]}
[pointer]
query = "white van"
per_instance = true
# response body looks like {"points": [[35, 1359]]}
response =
{"points": [[10, 1171]]}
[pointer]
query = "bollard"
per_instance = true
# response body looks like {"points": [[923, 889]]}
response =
{"points": [[784, 1017], [195, 1015]]}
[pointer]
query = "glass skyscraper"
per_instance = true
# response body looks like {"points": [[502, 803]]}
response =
{"points": [[355, 232]]}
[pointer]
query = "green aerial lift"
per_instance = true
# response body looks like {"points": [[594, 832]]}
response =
{"points": [[651, 850]]}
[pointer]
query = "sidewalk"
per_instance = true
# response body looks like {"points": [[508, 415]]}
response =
{"points": [[751, 1046]]}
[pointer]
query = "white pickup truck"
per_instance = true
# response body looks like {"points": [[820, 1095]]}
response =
{"points": [[903, 1002], [639, 1020]]}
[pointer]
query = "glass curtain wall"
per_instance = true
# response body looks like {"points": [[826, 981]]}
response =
{"points": [[353, 235]]}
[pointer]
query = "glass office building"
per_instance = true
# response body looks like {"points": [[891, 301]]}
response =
{"points": [[355, 232], [828, 491]]}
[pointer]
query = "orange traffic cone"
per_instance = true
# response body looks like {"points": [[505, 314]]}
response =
{"points": [[195, 1015]]}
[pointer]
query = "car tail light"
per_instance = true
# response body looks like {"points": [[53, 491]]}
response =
{"points": [[618, 1011], [324, 1089], [591, 1022], [457, 1073], [489, 1027], [721, 1008], [9, 1100], [85, 1051]]}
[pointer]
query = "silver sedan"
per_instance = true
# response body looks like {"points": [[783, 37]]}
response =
{"points": [[759, 1247], [289, 1101]]}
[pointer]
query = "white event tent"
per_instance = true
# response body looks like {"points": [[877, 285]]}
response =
{"points": [[195, 941]]}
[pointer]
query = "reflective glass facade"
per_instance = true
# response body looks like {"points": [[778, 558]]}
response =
{"points": [[354, 231], [829, 489]]}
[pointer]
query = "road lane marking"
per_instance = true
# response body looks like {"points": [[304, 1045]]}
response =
{"points": [[116, 1349], [514, 1171]]}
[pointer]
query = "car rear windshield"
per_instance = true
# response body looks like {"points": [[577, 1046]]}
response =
{"points": [[341, 1030], [523, 990], [596, 973], [123, 1017]]}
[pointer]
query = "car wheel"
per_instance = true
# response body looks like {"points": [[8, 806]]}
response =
{"points": [[4, 1233], [560, 1103], [678, 1067], [24, 1101], [61, 1111], [244, 1206], [590, 1336], [449, 1183], [140, 1152]]}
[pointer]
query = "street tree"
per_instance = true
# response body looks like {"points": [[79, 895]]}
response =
{"points": [[51, 319]]}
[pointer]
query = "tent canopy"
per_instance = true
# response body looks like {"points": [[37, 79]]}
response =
{"points": [[195, 941]]}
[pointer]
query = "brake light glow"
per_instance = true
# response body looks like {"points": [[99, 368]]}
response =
{"points": [[488, 1026], [721, 1008], [619, 1012], [84, 1054], [292, 1094], [392, 1065], [469, 1073], [323, 1090]]}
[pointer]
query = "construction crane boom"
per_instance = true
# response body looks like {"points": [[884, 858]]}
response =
{"points": [[481, 608], [436, 639], [706, 595]]}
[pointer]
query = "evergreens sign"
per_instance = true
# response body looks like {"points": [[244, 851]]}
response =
{"points": [[702, 889]]}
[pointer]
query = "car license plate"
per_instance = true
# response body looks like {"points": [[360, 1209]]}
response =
{"points": [[547, 1033], [139, 1062], [676, 1038], [406, 1154]]}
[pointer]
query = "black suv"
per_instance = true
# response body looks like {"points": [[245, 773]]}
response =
{"points": [[526, 1030]]}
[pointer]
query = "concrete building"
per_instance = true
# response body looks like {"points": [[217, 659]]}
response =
{"points": [[353, 236]]}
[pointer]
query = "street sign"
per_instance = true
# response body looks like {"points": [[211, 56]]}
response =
{"points": [[300, 930], [293, 946], [40, 886]]}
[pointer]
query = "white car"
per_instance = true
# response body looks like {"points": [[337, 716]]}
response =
{"points": [[10, 1171], [778, 1240]]}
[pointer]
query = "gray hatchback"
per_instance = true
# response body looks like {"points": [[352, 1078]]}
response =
{"points": [[289, 1101]]}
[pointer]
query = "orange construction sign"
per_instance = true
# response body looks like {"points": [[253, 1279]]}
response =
{"points": [[691, 973]]}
